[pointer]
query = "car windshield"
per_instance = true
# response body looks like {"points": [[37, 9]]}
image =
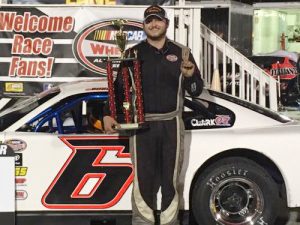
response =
{"points": [[21, 108]]}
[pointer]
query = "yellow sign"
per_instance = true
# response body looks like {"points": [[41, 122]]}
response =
{"points": [[95, 2], [20, 171], [14, 87]]}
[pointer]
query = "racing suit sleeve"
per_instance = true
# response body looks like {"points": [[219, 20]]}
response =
{"points": [[194, 84]]}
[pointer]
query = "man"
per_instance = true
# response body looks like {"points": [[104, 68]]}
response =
{"points": [[168, 69]]}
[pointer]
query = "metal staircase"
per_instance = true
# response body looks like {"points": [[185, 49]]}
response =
{"points": [[239, 76]]}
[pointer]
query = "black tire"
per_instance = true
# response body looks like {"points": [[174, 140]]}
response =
{"points": [[237, 191]]}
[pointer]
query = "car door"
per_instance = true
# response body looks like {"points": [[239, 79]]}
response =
{"points": [[71, 171]]}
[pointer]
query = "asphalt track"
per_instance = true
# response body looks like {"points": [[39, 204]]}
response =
{"points": [[293, 218]]}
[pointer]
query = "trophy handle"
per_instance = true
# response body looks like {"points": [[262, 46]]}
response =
{"points": [[111, 90]]}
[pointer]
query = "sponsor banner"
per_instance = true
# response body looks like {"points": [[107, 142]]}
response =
{"points": [[43, 46], [37, 1], [96, 2], [145, 2], [93, 44]]}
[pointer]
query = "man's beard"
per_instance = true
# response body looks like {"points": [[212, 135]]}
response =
{"points": [[157, 38]]}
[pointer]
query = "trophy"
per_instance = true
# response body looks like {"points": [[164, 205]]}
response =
{"points": [[132, 105]]}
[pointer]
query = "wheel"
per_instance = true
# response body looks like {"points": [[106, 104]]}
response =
{"points": [[237, 191]]}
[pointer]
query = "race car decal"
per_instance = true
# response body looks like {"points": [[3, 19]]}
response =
{"points": [[18, 159], [95, 176], [21, 194], [20, 181], [21, 171], [218, 121], [17, 145]]}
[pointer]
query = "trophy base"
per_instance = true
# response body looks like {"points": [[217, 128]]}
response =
{"points": [[131, 126]]}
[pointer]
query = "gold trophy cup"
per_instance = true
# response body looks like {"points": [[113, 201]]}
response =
{"points": [[121, 37], [132, 107]]}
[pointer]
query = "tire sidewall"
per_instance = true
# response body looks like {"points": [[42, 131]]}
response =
{"points": [[234, 167]]}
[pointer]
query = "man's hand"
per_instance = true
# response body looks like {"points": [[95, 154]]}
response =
{"points": [[187, 68], [110, 124]]}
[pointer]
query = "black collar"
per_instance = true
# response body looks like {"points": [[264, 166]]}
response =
{"points": [[163, 50]]}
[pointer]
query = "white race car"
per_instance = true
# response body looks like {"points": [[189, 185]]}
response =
{"points": [[241, 162]]}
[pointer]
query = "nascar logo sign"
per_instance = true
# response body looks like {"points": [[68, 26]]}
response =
{"points": [[97, 42]]}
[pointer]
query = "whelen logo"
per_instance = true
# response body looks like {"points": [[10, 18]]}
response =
{"points": [[96, 42]]}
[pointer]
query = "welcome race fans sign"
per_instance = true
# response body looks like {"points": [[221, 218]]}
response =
{"points": [[32, 46], [44, 46]]}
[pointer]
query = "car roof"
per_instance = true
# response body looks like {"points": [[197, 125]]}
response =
{"points": [[84, 86]]}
